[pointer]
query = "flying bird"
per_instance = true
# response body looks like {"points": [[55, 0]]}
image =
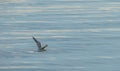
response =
{"points": [[38, 43]]}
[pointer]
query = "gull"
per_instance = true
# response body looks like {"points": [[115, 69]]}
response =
{"points": [[38, 43]]}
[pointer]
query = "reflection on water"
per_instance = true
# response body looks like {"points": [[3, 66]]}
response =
{"points": [[82, 35]]}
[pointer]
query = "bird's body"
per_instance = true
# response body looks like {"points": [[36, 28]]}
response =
{"points": [[40, 48]]}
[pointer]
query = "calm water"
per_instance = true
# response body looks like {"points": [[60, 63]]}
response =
{"points": [[83, 35]]}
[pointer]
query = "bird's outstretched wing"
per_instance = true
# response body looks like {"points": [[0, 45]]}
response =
{"points": [[44, 47], [37, 42]]}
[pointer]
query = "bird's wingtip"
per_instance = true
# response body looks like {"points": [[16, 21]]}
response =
{"points": [[32, 36]]}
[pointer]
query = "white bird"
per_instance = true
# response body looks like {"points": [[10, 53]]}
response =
{"points": [[40, 48]]}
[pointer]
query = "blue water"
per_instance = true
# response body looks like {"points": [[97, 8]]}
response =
{"points": [[82, 35]]}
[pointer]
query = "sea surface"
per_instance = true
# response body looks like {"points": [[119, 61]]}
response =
{"points": [[82, 35]]}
